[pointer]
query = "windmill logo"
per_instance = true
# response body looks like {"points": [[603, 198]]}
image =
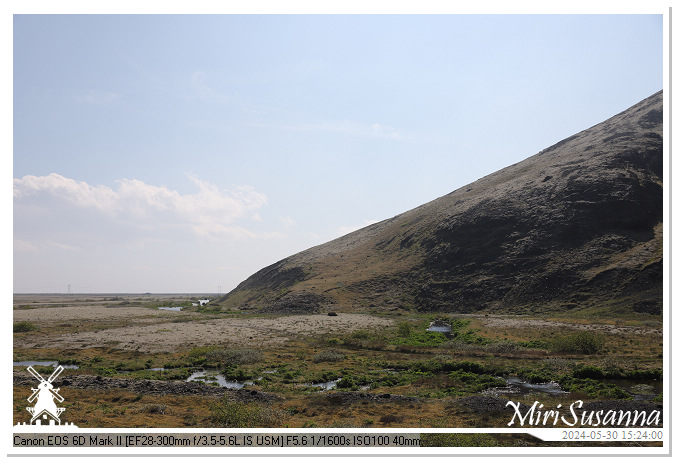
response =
{"points": [[46, 408]]}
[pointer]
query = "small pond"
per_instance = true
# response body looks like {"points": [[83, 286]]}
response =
{"points": [[174, 308], [439, 326], [327, 385], [515, 385], [212, 375]]}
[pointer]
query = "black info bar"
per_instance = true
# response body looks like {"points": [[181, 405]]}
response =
{"points": [[164, 440]]}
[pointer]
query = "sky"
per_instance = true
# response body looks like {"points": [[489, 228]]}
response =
{"points": [[182, 153]]}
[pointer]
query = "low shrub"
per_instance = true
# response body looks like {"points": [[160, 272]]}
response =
{"points": [[443, 365], [588, 372], [328, 356], [593, 388], [421, 339], [560, 365], [322, 377], [535, 375], [105, 371], [536, 345], [24, 326], [229, 413], [476, 382], [154, 409], [644, 374], [234, 357], [579, 342], [404, 329], [238, 373], [354, 382], [359, 334], [502, 347], [391, 419], [459, 345]]}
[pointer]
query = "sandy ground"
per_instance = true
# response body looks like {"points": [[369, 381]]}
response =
{"points": [[99, 321], [88, 313], [517, 322], [152, 330]]}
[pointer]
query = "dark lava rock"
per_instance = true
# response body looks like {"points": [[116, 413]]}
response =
{"points": [[353, 397], [648, 306], [295, 303], [485, 404]]}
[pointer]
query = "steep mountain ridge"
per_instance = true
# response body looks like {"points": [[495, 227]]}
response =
{"points": [[578, 224]]}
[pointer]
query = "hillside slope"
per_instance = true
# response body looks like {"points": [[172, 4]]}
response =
{"points": [[577, 225]]}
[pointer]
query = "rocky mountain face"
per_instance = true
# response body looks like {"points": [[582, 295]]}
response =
{"points": [[578, 225]]}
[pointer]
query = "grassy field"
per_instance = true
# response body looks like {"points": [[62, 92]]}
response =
{"points": [[390, 371]]}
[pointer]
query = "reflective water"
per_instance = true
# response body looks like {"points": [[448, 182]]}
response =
{"points": [[327, 385], [175, 308], [213, 375], [438, 328], [640, 391], [551, 388]]}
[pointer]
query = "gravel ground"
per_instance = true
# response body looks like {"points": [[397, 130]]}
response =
{"points": [[152, 330]]}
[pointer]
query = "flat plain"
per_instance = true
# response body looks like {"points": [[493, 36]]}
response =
{"points": [[371, 367]]}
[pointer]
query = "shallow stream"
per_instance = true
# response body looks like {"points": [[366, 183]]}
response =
{"points": [[43, 363], [640, 391]]}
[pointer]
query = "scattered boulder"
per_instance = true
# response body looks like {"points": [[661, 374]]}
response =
{"points": [[353, 397], [648, 307]]}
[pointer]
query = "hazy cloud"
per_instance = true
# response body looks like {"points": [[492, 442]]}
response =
{"points": [[202, 91], [353, 128], [388, 132], [23, 245], [134, 204], [287, 222], [78, 193], [97, 98]]}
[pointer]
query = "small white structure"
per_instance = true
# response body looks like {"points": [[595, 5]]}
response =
{"points": [[203, 302]]}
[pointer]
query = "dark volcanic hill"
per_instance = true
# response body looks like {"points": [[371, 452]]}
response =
{"points": [[577, 226]]}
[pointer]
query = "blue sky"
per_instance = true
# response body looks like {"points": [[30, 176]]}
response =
{"points": [[175, 153]]}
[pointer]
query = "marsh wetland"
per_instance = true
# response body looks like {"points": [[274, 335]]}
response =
{"points": [[134, 365]]}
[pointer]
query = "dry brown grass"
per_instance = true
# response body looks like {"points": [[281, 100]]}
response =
{"points": [[120, 408]]}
